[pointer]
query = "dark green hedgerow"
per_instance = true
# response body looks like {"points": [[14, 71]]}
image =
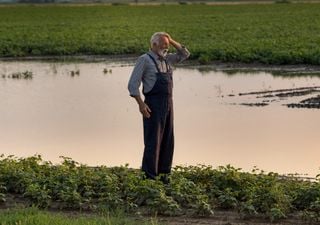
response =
{"points": [[193, 190]]}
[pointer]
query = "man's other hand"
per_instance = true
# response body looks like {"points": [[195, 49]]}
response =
{"points": [[145, 110]]}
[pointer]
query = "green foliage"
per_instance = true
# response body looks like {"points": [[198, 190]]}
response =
{"points": [[282, 1], [38, 194], [269, 196], [3, 189], [313, 211], [252, 193], [152, 194], [193, 190], [189, 195], [270, 34], [305, 195]]}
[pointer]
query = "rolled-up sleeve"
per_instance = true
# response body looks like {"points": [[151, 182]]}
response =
{"points": [[181, 55], [136, 77]]}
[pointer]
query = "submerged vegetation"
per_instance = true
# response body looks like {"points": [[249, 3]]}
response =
{"points": [[19, 75], [271, 34], [193, 190], [311, 97]]}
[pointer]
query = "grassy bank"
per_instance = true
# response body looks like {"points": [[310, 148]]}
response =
{"points": [[193, 191], [34, 216], [271, 34]]}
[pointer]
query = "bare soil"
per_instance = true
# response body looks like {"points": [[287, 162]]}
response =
{"points": [[230, 218]]}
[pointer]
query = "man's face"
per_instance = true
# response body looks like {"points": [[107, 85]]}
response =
{"points": [[163, 43], [163, 46]]}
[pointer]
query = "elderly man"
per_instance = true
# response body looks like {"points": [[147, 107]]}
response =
{"points": [[154, 70]]}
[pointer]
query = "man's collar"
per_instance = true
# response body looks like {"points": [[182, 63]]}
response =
{"points": [[155, 56]]}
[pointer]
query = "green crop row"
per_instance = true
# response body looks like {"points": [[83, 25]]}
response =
{"points": [[271, 34], [193, 190]]}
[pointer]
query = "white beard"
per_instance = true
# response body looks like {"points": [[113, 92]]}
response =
{"points": [[163, 52]]}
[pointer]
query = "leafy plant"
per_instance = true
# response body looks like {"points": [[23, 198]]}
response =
{"points": [[189, 196], [3, 189], [313, 211]]}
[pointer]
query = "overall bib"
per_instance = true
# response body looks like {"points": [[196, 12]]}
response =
{"points": [[158, 129]]}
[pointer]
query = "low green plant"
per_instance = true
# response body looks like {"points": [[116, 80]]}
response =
{"points": [[313, 211], [189, 196], [3, 190], [282, 1]]}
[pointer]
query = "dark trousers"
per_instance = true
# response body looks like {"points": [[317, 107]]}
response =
{"points": [[158, 137]]}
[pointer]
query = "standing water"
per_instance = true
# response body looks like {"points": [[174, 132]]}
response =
{"points": [[83, 111]]}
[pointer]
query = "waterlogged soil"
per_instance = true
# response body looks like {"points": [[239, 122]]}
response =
{"points": [[294, 98], [311, 97], [232, 67]]}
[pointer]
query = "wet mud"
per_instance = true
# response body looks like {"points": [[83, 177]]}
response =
{"points": [[290, 98], [313, 102]]}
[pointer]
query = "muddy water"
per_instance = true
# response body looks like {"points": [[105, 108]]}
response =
{"points": [[91, 118]]}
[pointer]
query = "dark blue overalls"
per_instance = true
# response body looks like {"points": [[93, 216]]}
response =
{"points": [[158, 129]]}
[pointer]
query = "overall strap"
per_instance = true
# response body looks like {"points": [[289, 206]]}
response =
{"points": [[167, 65], [155, 63]]}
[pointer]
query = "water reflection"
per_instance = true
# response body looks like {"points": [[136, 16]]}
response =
{"points": [[90, 117]]}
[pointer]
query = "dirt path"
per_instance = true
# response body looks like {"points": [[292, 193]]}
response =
{"points": [[231, 218]]}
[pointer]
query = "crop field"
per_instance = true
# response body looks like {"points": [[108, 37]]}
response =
{"points": [[270, 34], [193, 191]]}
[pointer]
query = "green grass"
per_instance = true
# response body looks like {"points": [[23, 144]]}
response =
{"points": [[34, 216], [271, 34]]}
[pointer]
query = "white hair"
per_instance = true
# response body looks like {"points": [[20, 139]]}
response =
{"points": [[155, 38]]}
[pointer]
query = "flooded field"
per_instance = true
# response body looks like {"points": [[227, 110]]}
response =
{"points": [[83, 111]]}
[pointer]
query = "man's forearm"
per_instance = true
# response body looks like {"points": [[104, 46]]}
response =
{"points": [[175, 44], [181, 55], [138, 99]]}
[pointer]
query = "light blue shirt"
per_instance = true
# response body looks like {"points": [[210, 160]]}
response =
{"points": [[145, 71]]}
